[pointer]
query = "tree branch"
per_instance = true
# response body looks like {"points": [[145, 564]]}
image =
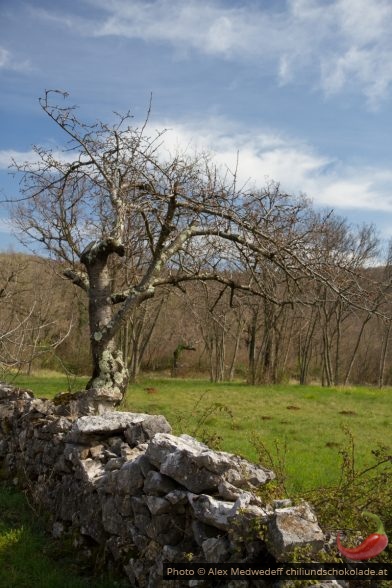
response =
{"points": [[78, 278]]}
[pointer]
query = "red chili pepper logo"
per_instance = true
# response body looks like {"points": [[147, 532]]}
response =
{"points": [[370, 547]]}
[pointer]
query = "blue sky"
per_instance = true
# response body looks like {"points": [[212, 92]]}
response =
{"points": [[302, 89]]}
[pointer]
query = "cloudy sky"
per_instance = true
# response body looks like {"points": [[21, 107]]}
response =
{"points": [[301, 89]]}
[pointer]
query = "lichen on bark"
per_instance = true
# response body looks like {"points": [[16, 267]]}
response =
{"points": [[112, 372]]}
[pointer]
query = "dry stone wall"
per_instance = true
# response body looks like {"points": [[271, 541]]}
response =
{"points": [[122, 482]]}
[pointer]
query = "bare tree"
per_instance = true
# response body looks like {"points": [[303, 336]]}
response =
{"points": [[116, 198]]}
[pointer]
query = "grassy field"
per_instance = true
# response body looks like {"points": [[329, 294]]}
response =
{"points": [[302, 426]]}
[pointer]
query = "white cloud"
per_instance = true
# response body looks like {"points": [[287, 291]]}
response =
{"points": [[4, 57], [340, 43], [299, 168], [8, 61], [263, 155], [205, 25], [8, 156]]}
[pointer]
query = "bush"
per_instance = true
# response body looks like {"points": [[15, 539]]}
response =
{"points": [[339, 507]]}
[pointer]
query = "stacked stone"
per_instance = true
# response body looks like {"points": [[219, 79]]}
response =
{"points": [[124, 482]]}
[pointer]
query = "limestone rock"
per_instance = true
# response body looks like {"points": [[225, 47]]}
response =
{"points": [[228, 492], [75, 452], [54, 427], [145, 429], [96, 451], [129, 477], [138, 539], [90, 469], [112, 520], [216, 549], [293, 527], [166, 529], [139, 506], [87, 514], [114, 463], [144, 464], [123, 505], [172, 554], [199, 468], [282, 503], [39, 407], [157, 484], [178, 497], [10, 393], [201, 532], [211, 511], [111, 423], [158, 505], [87, 402], [330, 584]]}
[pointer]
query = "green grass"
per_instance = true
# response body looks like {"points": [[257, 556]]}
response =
{"points": [[309, 420], [48, 383], [28, 558]]}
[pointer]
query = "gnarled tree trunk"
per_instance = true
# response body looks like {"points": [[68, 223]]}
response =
{"points": [[109, 370]]}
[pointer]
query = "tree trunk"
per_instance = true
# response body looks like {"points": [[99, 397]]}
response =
{"points": [[237, 340], [134, 363], [384, 348], [338, 314], [305, 349], [354, 353], [109, 370], [252, 333], [267, 357], [220, 356]]}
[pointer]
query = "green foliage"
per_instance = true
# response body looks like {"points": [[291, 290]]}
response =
{"points": [[276, 460], [339, 506], [359, 488], [244, 530], [198, 422]]}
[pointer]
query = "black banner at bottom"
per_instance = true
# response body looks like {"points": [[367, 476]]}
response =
{"points": [[284, 571]]}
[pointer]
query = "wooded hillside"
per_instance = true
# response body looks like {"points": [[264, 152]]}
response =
{"points": [[199, 328]]}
